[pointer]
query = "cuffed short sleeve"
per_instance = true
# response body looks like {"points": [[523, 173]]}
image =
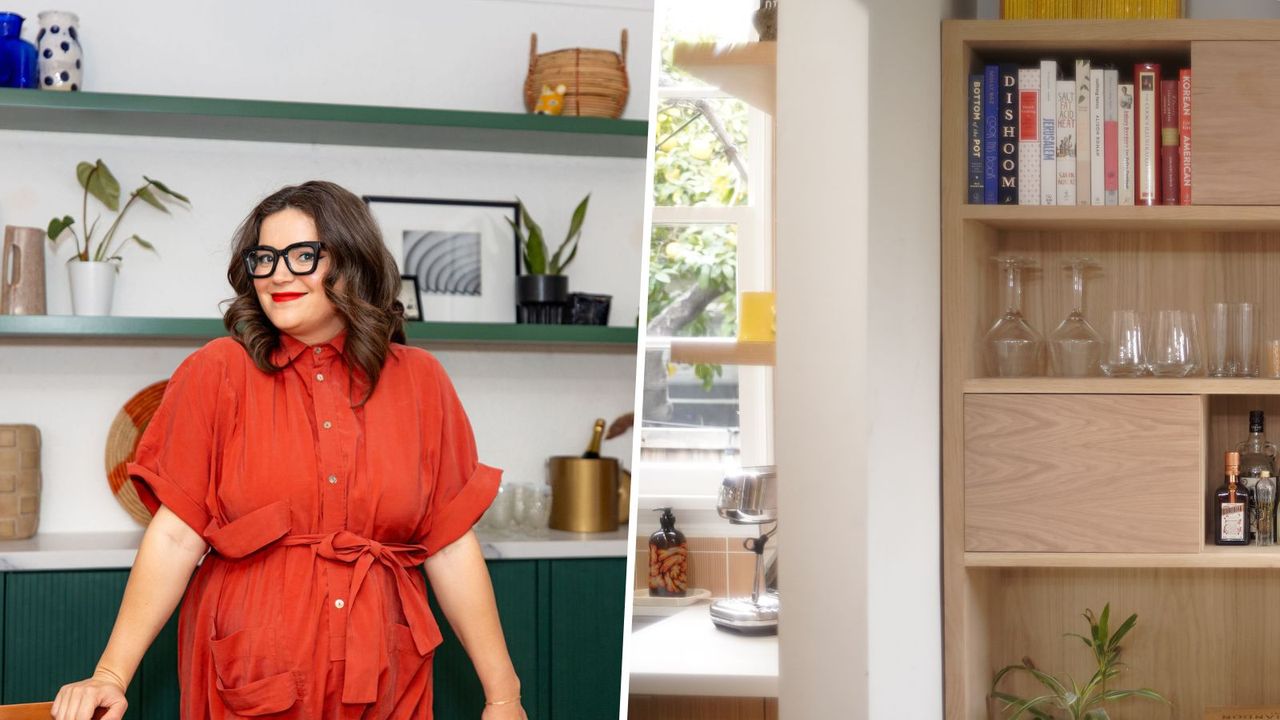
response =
{"points": [[176, 457], [462, 486]]}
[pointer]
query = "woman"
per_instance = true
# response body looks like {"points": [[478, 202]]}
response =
{"points": [[319, 460]]}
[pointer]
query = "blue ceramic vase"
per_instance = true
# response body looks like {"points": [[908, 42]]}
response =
{"points": [[18, 65]]}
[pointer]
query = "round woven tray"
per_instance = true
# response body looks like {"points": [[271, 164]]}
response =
{"points": [[122, 444], [595, 80]]}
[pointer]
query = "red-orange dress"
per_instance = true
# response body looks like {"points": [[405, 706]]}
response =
{"points": [[309, 603]]}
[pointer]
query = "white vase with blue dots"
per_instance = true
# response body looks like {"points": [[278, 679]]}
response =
{"points": [[58, 46]]}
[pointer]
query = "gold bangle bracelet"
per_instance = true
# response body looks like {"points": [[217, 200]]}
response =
{"points": [[516, 699]]}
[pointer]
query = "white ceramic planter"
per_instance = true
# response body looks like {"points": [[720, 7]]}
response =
{"points": [[92, 285]]}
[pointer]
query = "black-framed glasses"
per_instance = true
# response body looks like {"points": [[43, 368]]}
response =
{"points": [[301, 258]]}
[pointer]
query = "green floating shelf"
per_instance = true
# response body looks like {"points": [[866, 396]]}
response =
{"points": [[533, 337], [326, 124]]}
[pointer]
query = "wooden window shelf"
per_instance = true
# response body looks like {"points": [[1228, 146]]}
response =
{"points": [[1125, 386], [594, 338], [744, 71], [726, 351], [326, 124]]}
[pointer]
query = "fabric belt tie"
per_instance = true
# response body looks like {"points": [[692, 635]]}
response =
{"points": [[271, 525]]}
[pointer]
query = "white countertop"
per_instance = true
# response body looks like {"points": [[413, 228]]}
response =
{"points": [[686, 654], [85, 551]]}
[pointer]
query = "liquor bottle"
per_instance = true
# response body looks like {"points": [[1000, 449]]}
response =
{"points": [[593, 448], [1256, 453], [1265, 509], [1231, 505]]}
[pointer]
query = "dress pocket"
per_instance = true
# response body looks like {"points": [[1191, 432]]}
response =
{"points": [[410, 673], [250, 680]]}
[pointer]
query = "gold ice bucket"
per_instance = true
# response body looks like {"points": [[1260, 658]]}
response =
{"points": [[584, 493]]}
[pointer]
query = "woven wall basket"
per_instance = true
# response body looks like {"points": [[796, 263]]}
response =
{"points": [[122, 445], [595, 80]]}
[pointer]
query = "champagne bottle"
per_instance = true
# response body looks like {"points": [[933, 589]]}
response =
{"points": [[593, 448]]}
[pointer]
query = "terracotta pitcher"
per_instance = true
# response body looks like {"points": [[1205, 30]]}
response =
{"points": [[22, 272]]}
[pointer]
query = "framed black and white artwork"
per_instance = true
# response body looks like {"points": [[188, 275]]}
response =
{"points": [[463, 254]]}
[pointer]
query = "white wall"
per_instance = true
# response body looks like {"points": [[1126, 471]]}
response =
{"points": [[820, 381], [465, 54], [858, 423]]}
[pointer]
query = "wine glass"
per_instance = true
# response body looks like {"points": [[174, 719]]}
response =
{"points": [[1075, 348], [1014, 348]]}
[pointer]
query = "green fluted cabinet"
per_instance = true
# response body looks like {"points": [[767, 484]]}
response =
{"points": [[562, 619]]}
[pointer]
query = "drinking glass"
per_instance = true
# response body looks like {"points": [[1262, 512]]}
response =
{"points": [[1014, 348], [1075, 348], [1172, 352], [1125, 351], [1244, 326], [500, 513], [1220, 364]]}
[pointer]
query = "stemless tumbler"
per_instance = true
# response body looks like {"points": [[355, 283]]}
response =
{"points": [[1172, 352], [1125, 351]]}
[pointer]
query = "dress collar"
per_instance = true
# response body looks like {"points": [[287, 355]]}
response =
{"points": [[290, 347]]}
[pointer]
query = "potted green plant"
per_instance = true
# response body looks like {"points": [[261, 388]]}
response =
{"points": [[543, 291], [93, 273], [1066, 698]]}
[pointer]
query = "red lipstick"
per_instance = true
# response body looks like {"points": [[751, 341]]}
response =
{"points": [[285, 297]]}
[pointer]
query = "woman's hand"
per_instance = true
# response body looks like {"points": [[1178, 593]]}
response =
{"points": [[79, 700], [508, 711]]}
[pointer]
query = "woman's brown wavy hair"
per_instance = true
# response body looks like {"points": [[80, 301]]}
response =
{"points": [[367, 303]]}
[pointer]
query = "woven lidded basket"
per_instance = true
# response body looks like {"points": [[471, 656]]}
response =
{"points": [[595, 80], [19, 481]]}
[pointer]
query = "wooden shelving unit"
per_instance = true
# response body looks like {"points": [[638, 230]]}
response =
{"points": [[746, 71], [75, 328], [1061, 494], [327, 124]]}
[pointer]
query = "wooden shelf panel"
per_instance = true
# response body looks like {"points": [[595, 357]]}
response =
{"points": [[327, 124], [1171, 218], [1125, 386], [745, 71], [1212, 557], [528, 337], [722, 351], [1124, 37]]}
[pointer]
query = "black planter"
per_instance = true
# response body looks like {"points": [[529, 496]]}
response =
{"points": [[589, 309], [542, 299]]}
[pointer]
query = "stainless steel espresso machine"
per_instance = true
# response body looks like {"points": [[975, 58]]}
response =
{"points": [[749, 496]]}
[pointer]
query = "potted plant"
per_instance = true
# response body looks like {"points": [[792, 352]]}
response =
{"points": [[543, 291], [1066, 698], [93, 274]]}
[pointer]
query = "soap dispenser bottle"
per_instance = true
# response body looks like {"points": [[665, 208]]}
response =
{"points": [[668, 558]]}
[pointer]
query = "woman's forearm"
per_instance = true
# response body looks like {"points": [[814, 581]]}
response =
{"points": [[168, 554], [461, 584]]}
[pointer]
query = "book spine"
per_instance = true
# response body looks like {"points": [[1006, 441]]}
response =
{"points": [[1084, 144], [976, 153], [1008, 155], [990, 131], [1029, 136], [1184, 135], [1066, 142], [1169, 173], [1111, 138], [1048, 132], [1098, 162], [1146, 80], [1125, 142]]}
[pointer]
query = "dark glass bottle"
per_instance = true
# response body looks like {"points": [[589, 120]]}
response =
{"points": [[1231, 507], [668, 559]]}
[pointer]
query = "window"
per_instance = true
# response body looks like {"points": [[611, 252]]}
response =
{"points": [[710, 240]]}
